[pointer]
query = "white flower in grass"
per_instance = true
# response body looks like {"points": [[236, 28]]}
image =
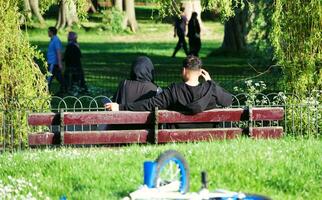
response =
{"points": [[257, 84], [248, 82]]}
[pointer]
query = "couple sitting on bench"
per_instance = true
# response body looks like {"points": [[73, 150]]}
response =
{"points": [[141, 94], [190, 96]]}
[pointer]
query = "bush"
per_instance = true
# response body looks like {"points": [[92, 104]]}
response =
{"points": [[113, 20], [303, 116], [297, 41], [20, 78]]}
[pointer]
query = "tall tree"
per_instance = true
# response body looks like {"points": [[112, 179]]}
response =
{"points": [[31, 7], [130, 15], [67, 14], [192, 6], [118, 4], [236, 30], [128, 7]]}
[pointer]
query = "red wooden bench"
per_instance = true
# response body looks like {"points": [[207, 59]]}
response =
{"points": [[63, 120]]}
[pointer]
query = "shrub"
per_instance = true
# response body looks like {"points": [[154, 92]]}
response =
{"points": [[113, 20], [297, 41], [20, 78]]}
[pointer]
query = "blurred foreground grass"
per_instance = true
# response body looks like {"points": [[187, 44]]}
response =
{"points": [[282, 169]]}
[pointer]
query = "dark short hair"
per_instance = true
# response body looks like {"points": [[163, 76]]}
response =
{"points": [[192, 62], [53, 30]]}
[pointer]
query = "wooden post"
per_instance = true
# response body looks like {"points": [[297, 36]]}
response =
{"points": [[156, 125], [61, 126], [250, 121]]}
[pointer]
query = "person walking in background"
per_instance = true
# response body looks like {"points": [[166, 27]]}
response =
{"points": [[194, 35], [74, 74], [54, 59], [180, 31]]}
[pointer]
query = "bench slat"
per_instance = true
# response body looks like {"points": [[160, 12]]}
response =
{"points": [[215, 115], [267, 114], [266, 132], [106, 137], [124, 117], [185, 135], [43, 119], [41, 139], [144, 118]]}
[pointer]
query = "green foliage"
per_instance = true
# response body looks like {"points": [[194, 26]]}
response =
{"points": [[297, 40], [225, 7], [44, 5], [252, 92], [20, 78], [113, 20], [260, 25], [304, 115], [281, 169]]}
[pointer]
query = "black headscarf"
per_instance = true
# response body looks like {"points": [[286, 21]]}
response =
{"points": [[142, 70]]}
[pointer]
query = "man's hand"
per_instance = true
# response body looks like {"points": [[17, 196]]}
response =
{"points": [[112, 106], [205, 75]]}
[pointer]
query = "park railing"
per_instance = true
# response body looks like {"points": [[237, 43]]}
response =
{"points": [[102, 82], [303, 117]]}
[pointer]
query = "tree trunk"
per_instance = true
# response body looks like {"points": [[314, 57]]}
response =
{"points": [[67, 14], [118, 4], [61, 21], [130, 15], [236, 32], [27, 9], [91, 6], [34, 4], [192, 6], [32, 7]]}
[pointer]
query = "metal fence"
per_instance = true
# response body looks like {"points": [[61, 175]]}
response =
{"points": [[102, 82], [303, 117]]}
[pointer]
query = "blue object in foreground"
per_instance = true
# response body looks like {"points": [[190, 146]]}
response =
{"points": [[63, 198], [149, 173]]}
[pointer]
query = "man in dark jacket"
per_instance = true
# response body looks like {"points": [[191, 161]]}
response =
{"points": [[180, 31], [190, 96]]}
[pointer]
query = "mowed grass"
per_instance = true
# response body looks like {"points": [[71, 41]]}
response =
{"points": [[282, 169]]}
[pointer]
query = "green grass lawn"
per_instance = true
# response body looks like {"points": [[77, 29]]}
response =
{"points": [[282, 169]]}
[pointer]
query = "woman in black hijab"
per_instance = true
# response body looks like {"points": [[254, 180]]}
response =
{"points": [[140, 85], [194, 35]]}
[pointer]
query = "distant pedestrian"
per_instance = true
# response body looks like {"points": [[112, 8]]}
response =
{"points": [[194, 35], [74, 74], [180, 31], [54, 59]]}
